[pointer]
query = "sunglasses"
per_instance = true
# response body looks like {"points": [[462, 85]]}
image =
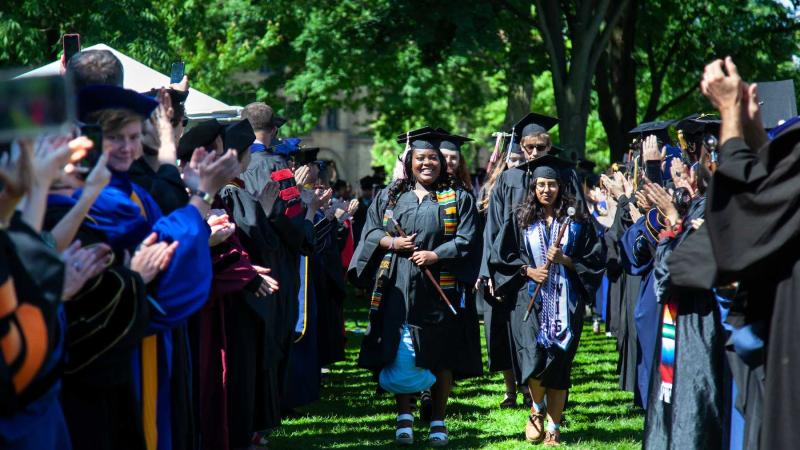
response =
{"points": [[538, 148]]}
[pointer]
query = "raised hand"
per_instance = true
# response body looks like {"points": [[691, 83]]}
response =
{"points": [[214, 172], [642, 201], [614, 186], [100, 175], [17, 174], [722, 85], [650, 151], [663, 201], [301, 176], [269, 194], [321, 199], [152, 257], [221, 227]]}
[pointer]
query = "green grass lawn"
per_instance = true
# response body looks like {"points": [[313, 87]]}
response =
{"points": [[350, 415]]}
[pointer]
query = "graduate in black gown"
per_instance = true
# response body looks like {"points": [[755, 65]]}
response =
{"points": [[687, 386], [546, 344], [415, 339], [754, 224]]}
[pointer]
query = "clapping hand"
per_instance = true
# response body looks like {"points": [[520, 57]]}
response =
{"points": [[221, 227], [663, 201], [723, 90], [152, 257], [83, 264], [650, 151], [269, 194], [268, 285]]}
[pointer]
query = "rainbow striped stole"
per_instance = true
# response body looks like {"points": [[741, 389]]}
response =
{"points": [[383, 273], [668, 341]]}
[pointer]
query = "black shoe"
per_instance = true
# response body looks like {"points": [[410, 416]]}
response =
{"points": [[527, 401], [425, 406]]}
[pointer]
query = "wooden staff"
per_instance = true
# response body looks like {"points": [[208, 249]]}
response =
{"points": [[570, 213], [424, 268]]}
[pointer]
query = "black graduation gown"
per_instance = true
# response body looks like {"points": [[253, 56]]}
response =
{"points": [[270, 320], [754, 224], [105, 323], [697, 404], [329, 286], [622, 296], [552, 366], [441, 340]]}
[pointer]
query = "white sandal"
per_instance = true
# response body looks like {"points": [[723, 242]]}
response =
{"points": [[405, 435], [439, 438]]}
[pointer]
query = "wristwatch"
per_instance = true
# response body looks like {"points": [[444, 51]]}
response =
{"points": [[204, 196], [524, 270]]}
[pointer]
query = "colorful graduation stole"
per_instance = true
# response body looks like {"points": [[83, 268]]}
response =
{"points": [[668, 336], [449, 207], [383, 273]]}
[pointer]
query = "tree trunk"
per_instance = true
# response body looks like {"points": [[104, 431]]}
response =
{"points": [[519, 100], [615, 81]]}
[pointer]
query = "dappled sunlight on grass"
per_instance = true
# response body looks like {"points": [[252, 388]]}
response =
{"points": [[351, 416]]}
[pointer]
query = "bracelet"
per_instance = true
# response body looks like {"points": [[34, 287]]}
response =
{"points": [[391, 246], [204, 196]]}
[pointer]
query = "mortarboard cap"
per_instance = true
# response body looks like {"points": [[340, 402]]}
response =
{"points": [[514, 147], [306, 155], [658, 128], [532, 123], [452, 141], [778, 102], [699, 123], [202, 134], [99, 97], [238, 136], [547, 160], [422, 138], [586, 164]]}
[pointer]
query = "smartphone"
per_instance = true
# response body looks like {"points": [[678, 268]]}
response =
{"points": [[32, 106], [95, 133], [176, 75], [72, 45]]}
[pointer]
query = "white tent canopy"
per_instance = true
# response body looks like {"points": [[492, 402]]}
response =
{"points": [[141, 78]]}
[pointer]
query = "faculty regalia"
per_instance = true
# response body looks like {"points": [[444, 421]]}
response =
{"points": [[687, 387], [754, 223], [442, 340], [33, 415], [639, 243], [105, 322], [127, 214], [623, 291]]}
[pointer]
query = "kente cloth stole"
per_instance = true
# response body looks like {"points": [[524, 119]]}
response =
{"points": [[668, 341], [447, 281], [149, 362]]}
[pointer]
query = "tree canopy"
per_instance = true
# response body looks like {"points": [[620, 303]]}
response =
{"points": [[474, 67]]}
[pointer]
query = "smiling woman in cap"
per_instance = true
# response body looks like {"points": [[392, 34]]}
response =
{"points": [[423, 332]]}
